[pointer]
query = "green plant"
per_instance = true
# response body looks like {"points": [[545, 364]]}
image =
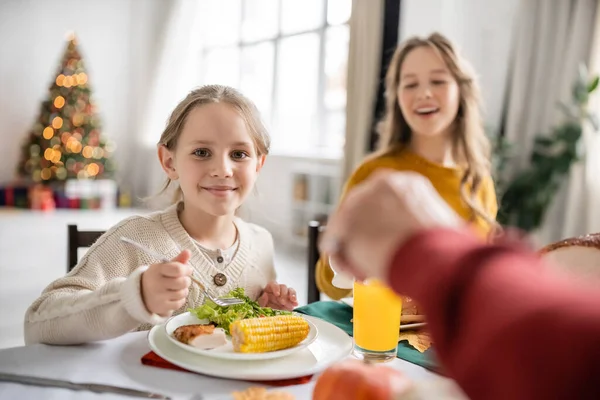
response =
{"points": [[528, 195], [502, 153]]}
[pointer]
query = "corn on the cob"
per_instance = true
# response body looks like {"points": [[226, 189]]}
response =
{"points": [[260, 335]]}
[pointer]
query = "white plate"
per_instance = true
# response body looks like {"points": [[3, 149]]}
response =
{"points": [[226, 351], [349, 301], [331, 346]]}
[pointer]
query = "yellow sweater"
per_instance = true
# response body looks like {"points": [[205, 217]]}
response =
{"points": [[445, 180]]}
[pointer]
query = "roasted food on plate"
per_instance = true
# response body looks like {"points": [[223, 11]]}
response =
{"points": [[259, 393], [409, 306], [201, 336]]}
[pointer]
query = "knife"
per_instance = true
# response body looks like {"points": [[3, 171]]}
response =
{"points": [[90, 387]]}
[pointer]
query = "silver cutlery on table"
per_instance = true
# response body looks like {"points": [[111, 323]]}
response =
{"points": [[410, 327], [220, 301], [89, 387]]}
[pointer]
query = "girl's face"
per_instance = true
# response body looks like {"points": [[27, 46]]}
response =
{"points": [[428, 94], [215, 160]]}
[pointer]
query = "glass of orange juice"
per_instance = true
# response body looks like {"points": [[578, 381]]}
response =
{"points": [[377, 310]]}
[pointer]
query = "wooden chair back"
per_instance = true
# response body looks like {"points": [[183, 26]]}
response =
{"points": [[79, 239]]}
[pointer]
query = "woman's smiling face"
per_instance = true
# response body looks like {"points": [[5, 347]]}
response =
{"points": [[428, 94]]}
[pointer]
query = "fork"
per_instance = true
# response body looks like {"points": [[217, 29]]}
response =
{"points": [[223, 302]]}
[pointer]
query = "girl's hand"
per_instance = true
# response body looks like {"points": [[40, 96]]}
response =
{"points": [[278, 296], [165, 285]]}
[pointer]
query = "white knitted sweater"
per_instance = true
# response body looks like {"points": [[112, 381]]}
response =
{"points": [[101, 297]]}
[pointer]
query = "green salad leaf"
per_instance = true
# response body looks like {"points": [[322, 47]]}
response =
{"points": [[224, 316]]}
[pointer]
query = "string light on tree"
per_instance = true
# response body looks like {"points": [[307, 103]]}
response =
{"points": [[66, 141]]}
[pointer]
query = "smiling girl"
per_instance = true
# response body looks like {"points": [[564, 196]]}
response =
{"points": [[432, 125], [214, 147]]}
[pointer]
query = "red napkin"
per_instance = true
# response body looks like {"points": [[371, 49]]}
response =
{"points": [[154, 360]]}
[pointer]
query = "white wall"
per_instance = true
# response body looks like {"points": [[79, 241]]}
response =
{"points": [[482, 30], [117, 39]]}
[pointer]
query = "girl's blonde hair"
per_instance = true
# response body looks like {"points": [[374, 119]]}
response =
{"points": [[214, 94], [471, 147]]}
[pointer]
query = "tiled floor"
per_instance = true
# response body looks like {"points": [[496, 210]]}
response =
{"points": [[33, 252]]}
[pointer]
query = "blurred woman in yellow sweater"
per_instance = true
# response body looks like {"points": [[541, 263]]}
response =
{"points": [[432, 125]]}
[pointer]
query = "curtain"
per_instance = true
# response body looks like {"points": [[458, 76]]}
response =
{"points": [[553, 38], [366, 28], [590, 215]]}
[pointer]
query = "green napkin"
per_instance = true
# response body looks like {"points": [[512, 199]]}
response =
{"points": [[340, 314]]}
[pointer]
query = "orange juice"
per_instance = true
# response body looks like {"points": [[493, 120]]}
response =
{"points": [[377, 310]]}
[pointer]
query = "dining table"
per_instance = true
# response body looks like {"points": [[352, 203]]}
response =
{"points": [[118, 362]]}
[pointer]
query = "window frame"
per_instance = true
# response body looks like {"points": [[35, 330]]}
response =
{"points": [[318, 145]]}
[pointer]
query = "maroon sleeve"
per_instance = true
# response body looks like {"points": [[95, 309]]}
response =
{"points": [[502, 325]]}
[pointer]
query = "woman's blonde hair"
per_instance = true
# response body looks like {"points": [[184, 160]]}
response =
{"points": [[214, 94], [471, 147]]}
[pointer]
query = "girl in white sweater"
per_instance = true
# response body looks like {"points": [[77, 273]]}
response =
{"points": [[214, 146]]}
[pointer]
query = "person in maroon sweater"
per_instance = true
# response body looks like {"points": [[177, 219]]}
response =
{"points": [[503, 326]]}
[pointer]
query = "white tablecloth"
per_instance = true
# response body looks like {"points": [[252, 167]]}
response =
{"points": [[117, 362]]}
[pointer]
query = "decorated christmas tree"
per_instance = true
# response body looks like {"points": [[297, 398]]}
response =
{"points": [[66, 141]]}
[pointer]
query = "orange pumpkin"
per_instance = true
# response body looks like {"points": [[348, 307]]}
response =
{"points": [[356, 380]]}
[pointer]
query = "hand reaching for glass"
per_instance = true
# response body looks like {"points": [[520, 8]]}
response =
{"points": [[377, 216]]}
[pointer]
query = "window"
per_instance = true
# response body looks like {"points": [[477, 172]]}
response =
{"points": [[290, 57]]}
